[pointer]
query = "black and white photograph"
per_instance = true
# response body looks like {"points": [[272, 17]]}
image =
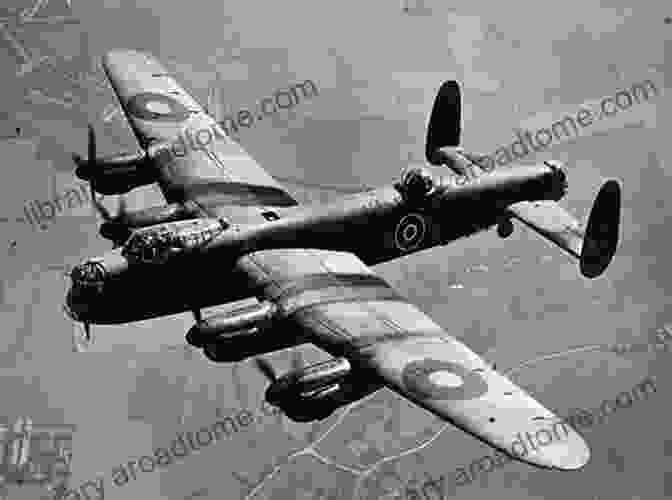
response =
{"points": [[408, 250]]}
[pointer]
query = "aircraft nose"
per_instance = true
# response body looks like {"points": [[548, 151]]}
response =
{"points": [[97, 271], [88, 283], [89, 274]]}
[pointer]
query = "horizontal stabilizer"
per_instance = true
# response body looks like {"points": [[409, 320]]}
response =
{"points": [[594, 247]]}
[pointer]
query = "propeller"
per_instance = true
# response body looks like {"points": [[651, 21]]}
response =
{"points": [[85, 167], [79, 343], [105, 213], [113, 224], [99, 207], [266, 369], [276, 394], [85, 170]]}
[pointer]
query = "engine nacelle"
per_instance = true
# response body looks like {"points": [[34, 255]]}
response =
{"points": [[309, 382], [316, 391], [119, 174], [242, 344], [120, 228], [222, 327], [242, 333], [236, 347]]}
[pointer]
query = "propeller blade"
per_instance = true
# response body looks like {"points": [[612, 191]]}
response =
{"points": [[92, 145], [113, 227], [81, 343], [105, 213], [122, 207], [265, 367], [85, 166], [100, 208]]}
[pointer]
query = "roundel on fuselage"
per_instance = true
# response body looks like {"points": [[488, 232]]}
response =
{"points": [[410, 232], [150, 106], [435, 379]]}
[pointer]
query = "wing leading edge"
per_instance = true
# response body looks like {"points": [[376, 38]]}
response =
{"points": [[348, 311]]}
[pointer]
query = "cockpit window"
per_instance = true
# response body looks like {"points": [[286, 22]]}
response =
{"points": [[156, 244], [147, 247]]}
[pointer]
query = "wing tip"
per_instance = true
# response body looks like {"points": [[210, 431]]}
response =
{"points": [[569, 455]]}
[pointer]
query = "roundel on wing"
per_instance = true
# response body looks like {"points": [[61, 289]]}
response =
{"points": [[410, 232], [436, 379], [151, 106]]}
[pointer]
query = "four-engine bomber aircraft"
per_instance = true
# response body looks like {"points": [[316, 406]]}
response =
{"points": [[231, 232]]}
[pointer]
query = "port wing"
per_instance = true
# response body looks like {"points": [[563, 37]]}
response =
{"points": [[200, 163]]}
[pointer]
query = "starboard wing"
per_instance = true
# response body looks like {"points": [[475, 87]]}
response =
{"points": [[345, 309]]}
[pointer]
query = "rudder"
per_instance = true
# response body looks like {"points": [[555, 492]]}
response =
{"points": [[602, 230], [444, 127]]}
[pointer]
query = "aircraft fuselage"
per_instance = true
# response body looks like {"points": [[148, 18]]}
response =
{"points": [[378, 225]]}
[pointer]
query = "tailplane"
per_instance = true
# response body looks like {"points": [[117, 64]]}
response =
{"points": [[595, 247]]}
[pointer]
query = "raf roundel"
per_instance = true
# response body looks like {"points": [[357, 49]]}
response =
{"points": [[436, 379], [150, 106], [410, 232]]}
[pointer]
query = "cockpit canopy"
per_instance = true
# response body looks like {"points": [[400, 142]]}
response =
{"points": [[156, 244]]}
